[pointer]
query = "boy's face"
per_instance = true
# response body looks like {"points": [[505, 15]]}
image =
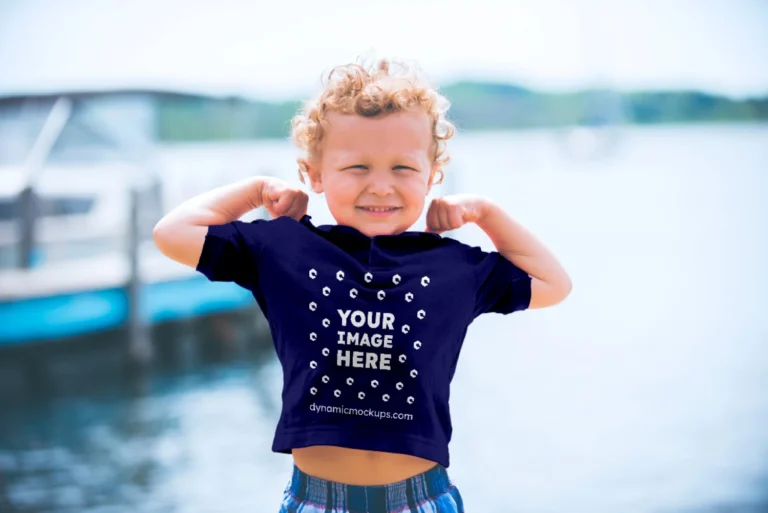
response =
{"points": [[375, 171]]}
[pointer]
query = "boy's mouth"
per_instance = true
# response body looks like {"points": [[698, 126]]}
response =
{"points": [[378, 211]]}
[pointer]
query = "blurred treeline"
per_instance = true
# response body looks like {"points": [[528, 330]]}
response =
{"points": [[475, 105]]}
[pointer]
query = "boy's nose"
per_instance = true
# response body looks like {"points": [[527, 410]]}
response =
{"points": [[380, 185]]}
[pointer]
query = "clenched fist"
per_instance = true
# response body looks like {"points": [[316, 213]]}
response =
{"points": [[282, 199], [451, 212]]}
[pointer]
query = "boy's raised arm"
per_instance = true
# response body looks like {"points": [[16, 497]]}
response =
{"points": [[180, 234], [550, 283]]}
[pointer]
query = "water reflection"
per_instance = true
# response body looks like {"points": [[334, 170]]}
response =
{"points": [[126, 440]]}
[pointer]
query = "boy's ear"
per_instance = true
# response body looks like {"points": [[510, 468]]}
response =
{"points": [[313, 174], [433, 175]]}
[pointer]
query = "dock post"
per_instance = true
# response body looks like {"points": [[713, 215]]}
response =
{"points": [[27, 205], [140, 344]]}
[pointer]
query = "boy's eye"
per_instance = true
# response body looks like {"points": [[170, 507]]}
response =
{"points": [[360, 166]]}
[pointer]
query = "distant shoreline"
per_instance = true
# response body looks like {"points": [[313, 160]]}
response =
{"points": [[474, 106], [174, 115]]}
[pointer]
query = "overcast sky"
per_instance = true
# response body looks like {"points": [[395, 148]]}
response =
{"points": [[279, 49]]}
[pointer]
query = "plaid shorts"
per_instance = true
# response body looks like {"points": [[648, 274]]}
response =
{"points": [[431, 491]]}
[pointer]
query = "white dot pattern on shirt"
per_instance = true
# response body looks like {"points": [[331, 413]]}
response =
{"points": [[381, 295]]}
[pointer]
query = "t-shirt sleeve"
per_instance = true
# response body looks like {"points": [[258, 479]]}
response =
{"points": [[500, 286], [231, 252]]}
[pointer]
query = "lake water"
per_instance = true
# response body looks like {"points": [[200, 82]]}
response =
{"points": [[645, 391]]}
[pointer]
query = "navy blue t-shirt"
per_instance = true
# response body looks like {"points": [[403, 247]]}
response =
{"points": [[368, 330]]}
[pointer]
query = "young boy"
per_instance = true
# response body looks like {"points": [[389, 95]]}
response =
{"points": [[367, 317]]}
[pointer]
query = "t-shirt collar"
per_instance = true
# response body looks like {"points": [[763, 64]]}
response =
{"points": [[343, 233]]}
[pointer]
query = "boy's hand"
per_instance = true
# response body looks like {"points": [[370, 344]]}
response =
{"points": [[282, 199], [451, 212]]}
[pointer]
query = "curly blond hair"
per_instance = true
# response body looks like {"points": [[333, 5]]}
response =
{"points": [[370, 91]]}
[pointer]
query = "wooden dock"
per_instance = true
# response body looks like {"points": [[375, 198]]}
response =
{"points": [[76, 297]]}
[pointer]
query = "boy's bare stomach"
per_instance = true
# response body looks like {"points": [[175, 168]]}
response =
{"points": [[357, 467]]}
